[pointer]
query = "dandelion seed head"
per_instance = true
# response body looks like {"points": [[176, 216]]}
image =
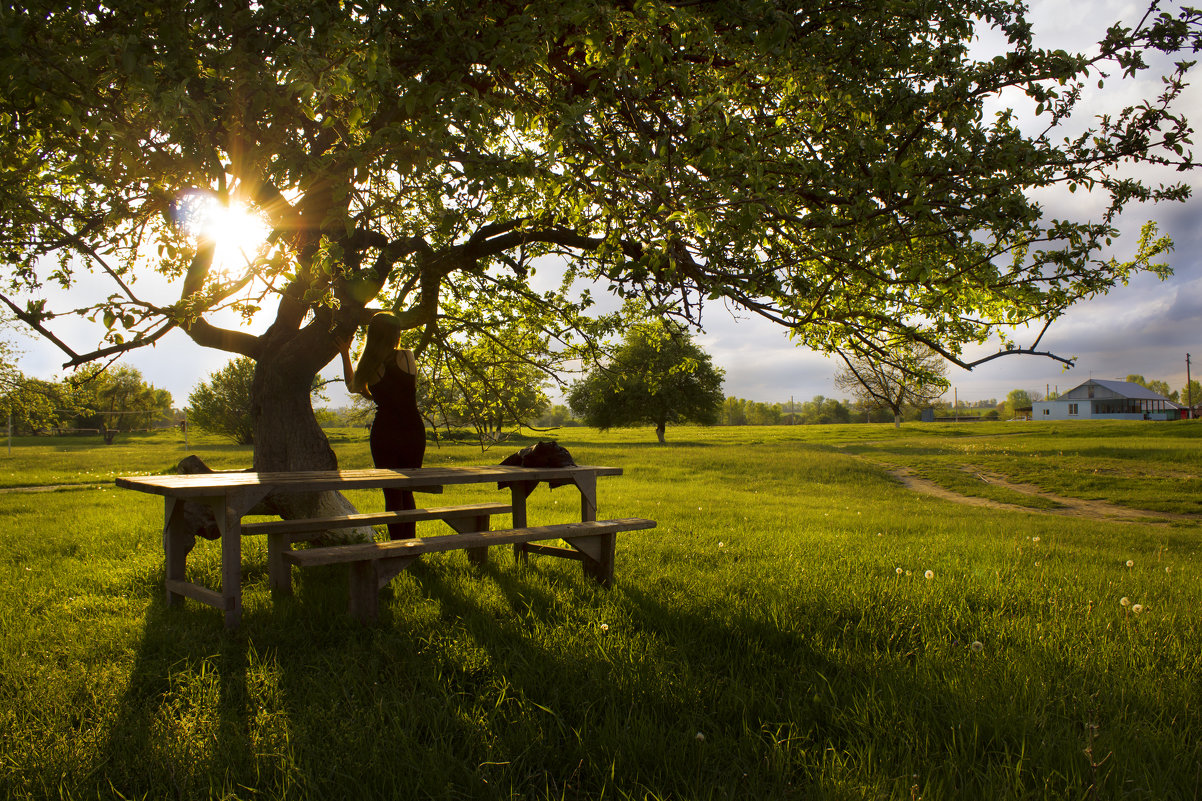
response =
{"points": [[1035, 539], [1137, 608], [930, 574], [1130, 563], [899, 571], [700, 737], [977, 646], [1125, 601], [605, 627]]}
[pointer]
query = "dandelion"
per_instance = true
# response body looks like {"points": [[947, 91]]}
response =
{"points": [[605, 627], [722, 545], [977, 646], [700, 737], [930, 574], [1130, 563], [1137, 608], [1035, 539], [899, 571], [1125, 601], [1167, 569]]}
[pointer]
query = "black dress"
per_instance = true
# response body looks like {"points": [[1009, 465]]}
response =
{"points": [[398, 436]]}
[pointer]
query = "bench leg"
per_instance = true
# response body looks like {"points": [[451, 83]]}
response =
{"points": [[367, 579], [279, 573], [364, 589], [477, 556], [599, 557]]}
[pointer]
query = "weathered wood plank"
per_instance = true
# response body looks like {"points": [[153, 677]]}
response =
{"points": [[199, 593], [447, 513], [358, 552], [421, 479]]}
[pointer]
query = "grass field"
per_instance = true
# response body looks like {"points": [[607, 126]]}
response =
{"points": [[799, 626]]}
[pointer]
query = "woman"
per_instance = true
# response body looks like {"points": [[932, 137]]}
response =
{"points": [[387, 375]]}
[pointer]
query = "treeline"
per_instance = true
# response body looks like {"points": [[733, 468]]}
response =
{"points": [[821, 410], [92, 400]]}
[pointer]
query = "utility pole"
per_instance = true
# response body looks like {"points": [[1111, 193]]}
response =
{"points": [[1189, 390]]}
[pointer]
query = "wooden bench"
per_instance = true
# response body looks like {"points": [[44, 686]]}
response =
{"points": [[373, 565]]}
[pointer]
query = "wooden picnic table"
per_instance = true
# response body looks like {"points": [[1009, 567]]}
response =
{"points": [[232, 495]]}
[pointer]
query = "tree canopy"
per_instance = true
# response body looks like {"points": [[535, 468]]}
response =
{"points": [[222, 404], [658, 375], [835, 167]]}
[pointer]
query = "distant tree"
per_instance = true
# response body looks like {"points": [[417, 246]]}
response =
{"points": [[115, 400], [36, 406], [658, 375], [1135, 378], [734, 412], [824, 411], [900, 375], [221, 405], [763, 414], [1191, 394], [1162, 388], [557, 415], [1019, 399]]}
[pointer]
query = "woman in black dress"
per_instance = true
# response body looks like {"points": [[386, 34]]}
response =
{"points": [[387, 375]]}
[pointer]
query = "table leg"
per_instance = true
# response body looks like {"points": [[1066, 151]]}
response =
{"points": [[587, 484], [177, 542], [600, 568], [229, 521], [518, 492]]}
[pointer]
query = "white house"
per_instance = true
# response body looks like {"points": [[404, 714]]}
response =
{"points": [[1097, 399]]}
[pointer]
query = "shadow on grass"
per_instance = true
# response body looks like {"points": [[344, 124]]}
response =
{"points": [[500, 683]]}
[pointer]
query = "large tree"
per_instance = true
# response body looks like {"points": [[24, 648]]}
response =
{"points": [[896, 376], [658, 376], [834, 167]]}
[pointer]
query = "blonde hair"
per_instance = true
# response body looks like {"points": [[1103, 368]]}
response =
{"points": [[383, 335]]}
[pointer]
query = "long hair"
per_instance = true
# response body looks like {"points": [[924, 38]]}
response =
{"points": [[383, 334]]}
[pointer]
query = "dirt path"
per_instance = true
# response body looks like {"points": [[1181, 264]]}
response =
{"points": [[1070, 507]]}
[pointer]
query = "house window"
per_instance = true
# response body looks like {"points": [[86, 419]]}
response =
{"points": [[1072, 408], [1047, 411]]}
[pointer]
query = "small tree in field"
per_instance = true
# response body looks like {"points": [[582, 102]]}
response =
{"points": [[658, 375], [221, 405], [906, 374]]}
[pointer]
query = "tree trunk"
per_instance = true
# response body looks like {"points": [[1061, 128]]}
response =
{"points": [[897, 419], [286, 434], [659, 432]]}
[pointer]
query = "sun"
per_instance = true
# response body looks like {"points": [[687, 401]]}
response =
{"points": [[237, 233]]}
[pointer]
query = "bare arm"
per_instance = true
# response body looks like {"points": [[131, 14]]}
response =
{"points": [[348, 369]]}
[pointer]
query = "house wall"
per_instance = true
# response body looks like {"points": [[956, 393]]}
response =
{"points": [[1058, 410]]}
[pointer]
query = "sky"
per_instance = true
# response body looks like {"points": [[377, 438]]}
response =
{"points": [[1144, 328]]}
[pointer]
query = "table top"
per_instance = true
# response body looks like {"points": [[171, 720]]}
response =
{"points": [[207, 485]]}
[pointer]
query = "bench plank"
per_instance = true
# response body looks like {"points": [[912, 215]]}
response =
{"points": [[370, 551], [375, 518]]}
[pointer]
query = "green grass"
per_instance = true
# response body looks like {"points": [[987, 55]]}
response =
{"points": [[766, 613]]}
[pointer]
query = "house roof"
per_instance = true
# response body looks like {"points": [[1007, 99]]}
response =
{"points": [[1128, 389], [1125, 389]]}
